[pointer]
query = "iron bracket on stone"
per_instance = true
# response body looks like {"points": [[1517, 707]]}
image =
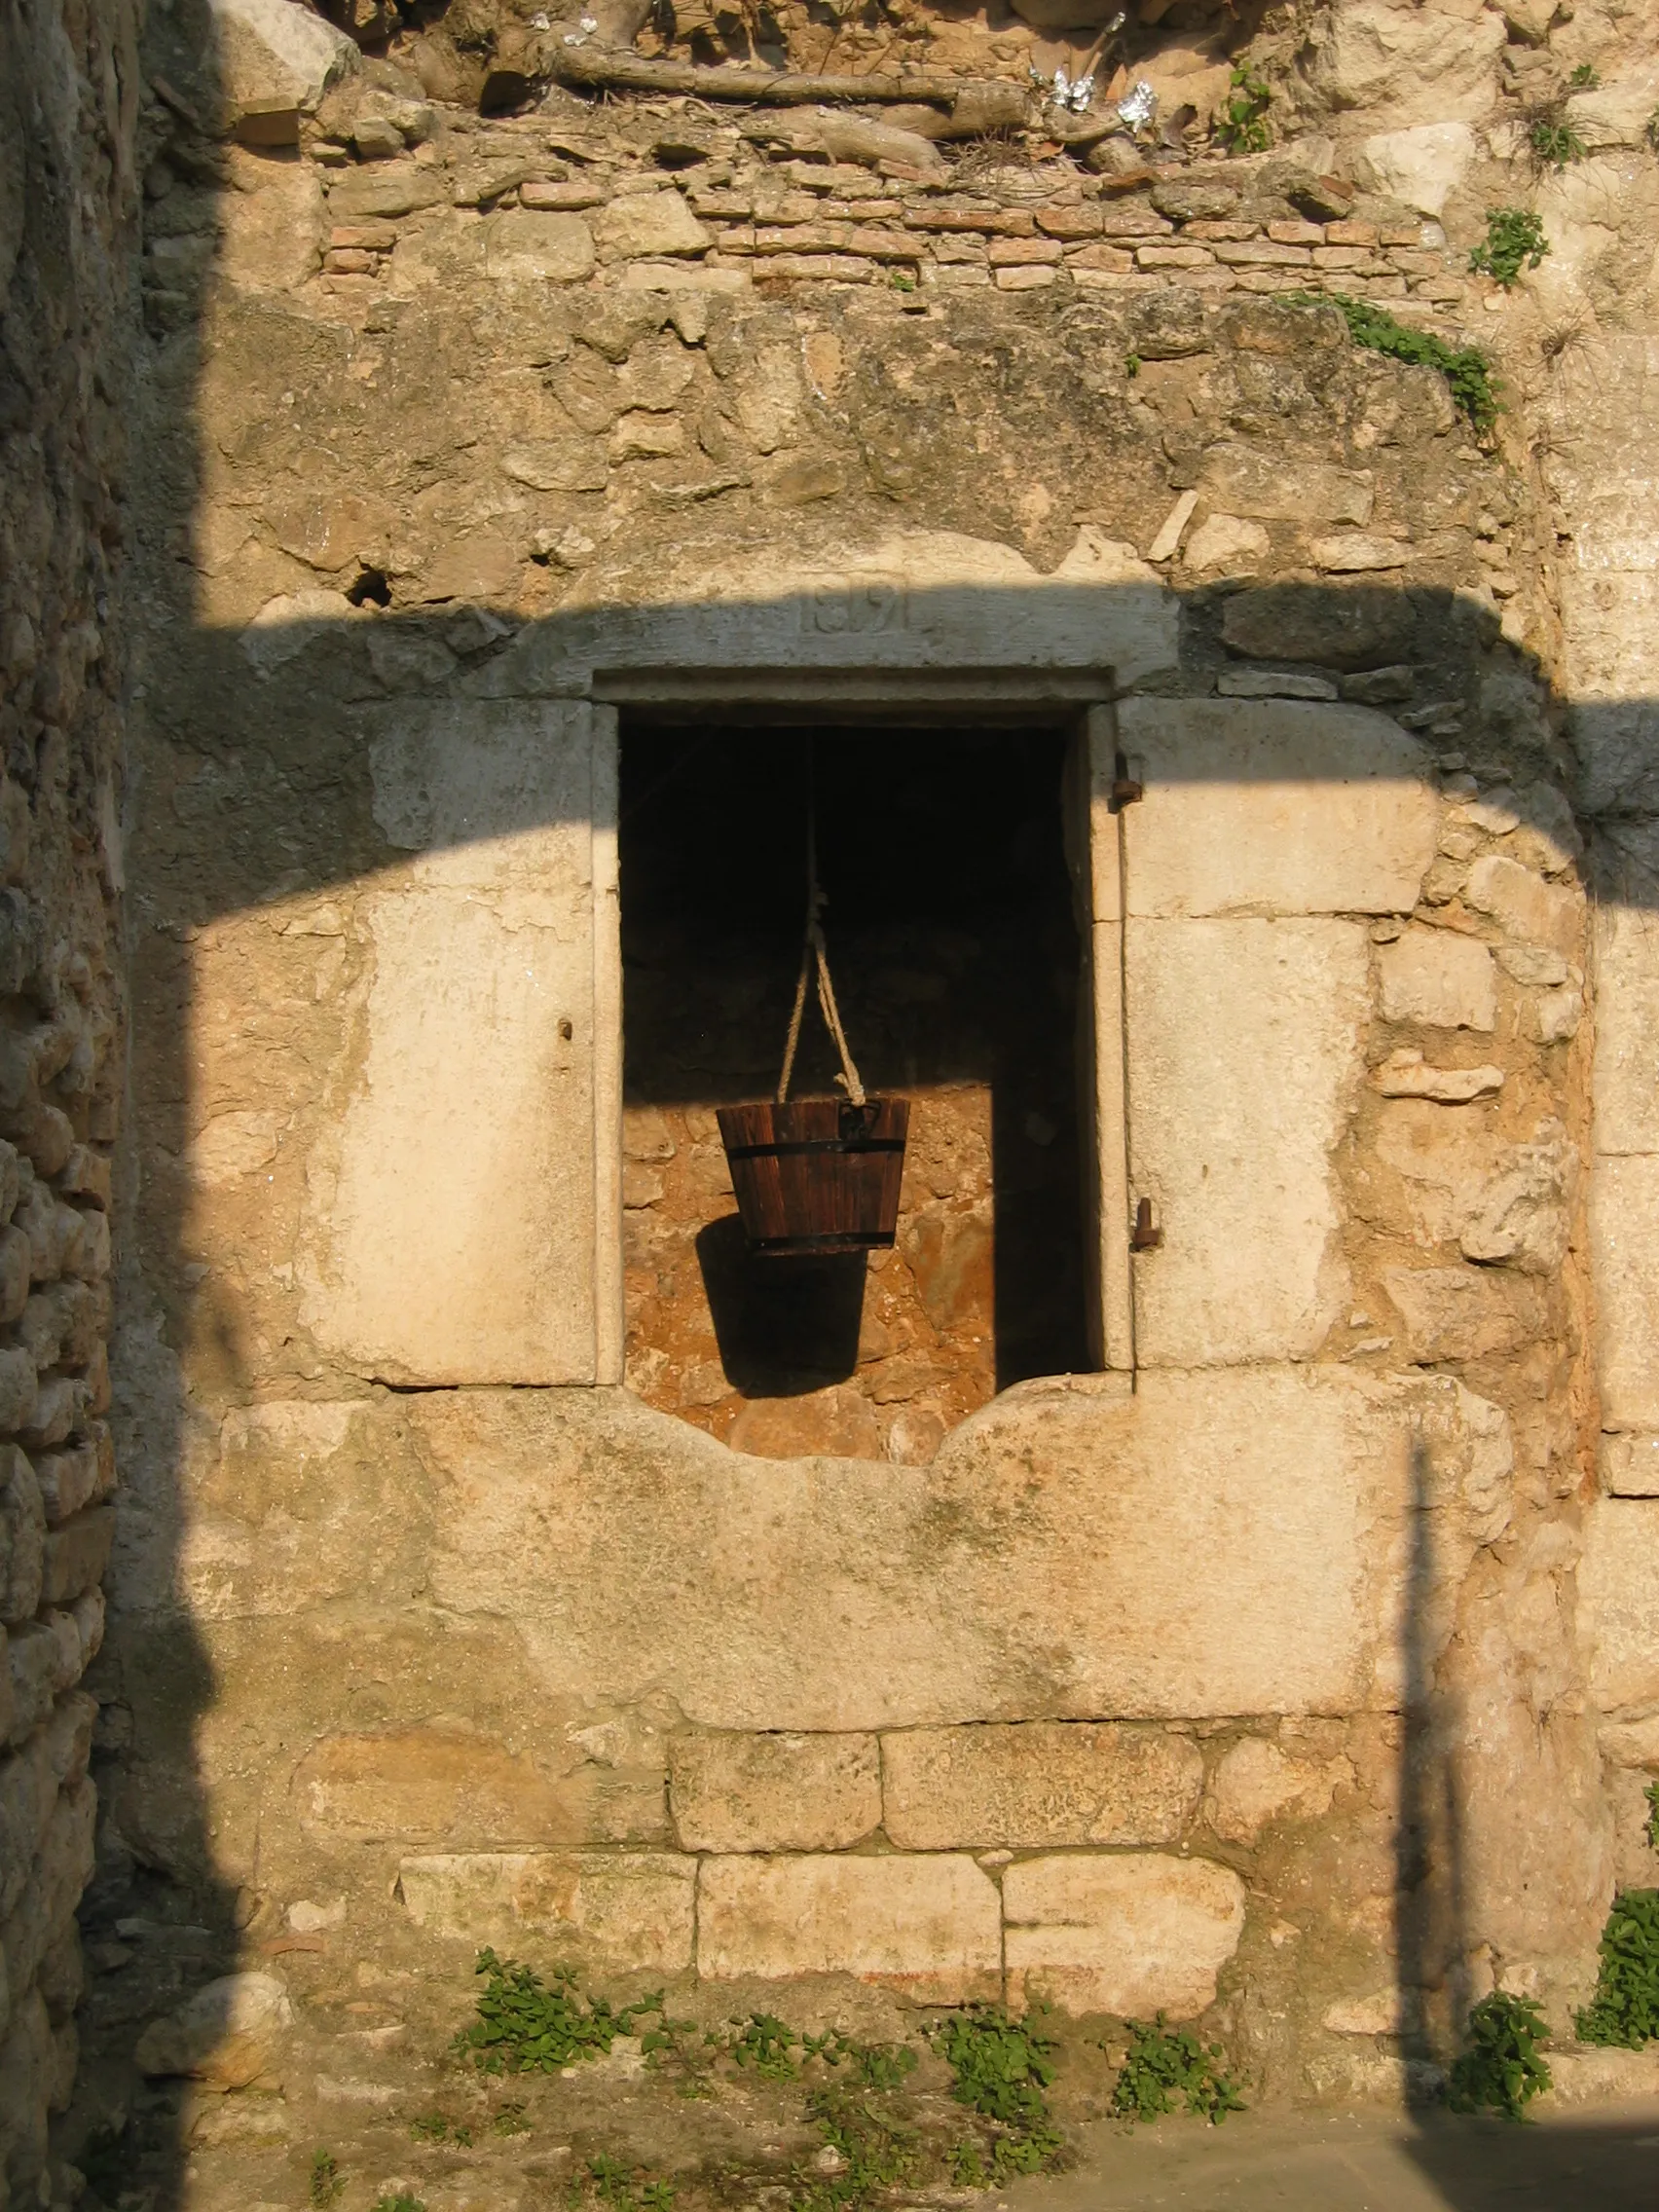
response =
{"points": [[1126, 789], [1145, 1235]]}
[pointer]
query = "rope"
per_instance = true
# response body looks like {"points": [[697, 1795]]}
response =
{"points": [[813, 949]]}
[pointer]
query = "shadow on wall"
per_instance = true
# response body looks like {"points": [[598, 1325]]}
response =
{"points": [[256, 784]]}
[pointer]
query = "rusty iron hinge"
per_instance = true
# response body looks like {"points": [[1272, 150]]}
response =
{"points": [[1125, 789], [1144, 1236]]}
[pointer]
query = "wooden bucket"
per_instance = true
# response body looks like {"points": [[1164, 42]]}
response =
{"points": [[817, 1175]]}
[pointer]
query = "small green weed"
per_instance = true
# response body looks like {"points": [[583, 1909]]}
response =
{"points": [[1586, 78], [1650, 131], [326, 2179], [509, 2121], [1652, 1795], [629, 2189], [526, 2025], [1502, 2069], [673, 2048], [401, 2202], [1625, 2009], [876, 2149], [1467, 369], [1241, 125], [435, 2127], [763, 2043], [1555, 142], [1164, 2063], [1132, 366], [1515, 241], [1003, 2069]]}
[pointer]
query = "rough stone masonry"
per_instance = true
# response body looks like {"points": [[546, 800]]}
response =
{"points": [[385, 424]]}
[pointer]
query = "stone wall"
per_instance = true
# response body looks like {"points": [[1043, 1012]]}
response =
{"points": [[1251, 1678], [68, 203]]}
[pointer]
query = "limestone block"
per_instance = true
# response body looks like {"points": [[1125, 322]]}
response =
{"points": [[1465, 1313], [271, 232], [1284, 807], [773, 1792], [1627, 1028], [1273, 486], [446, 1786], [1438, 978], [1522, 904], [1242, 1052], [275, 53], [22, 1535], [15, 1271], [1396, 62], [1624, 1224], [1618, 1600], [1351, 626], [76, 1555], [1043, 1783], [531, 246], [1226, 545], [628, 1909], [224, 2035], [929, 1926], [824, 597], [1459, 1182], [652, 225], [1421, 165], [18, 1388], [1256, 1782], [1630, 1465], [484, 1050], [1131, 1933], [844, 1595]]}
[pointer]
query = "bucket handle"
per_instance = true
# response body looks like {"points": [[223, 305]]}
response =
{"points": [[813, 951]]}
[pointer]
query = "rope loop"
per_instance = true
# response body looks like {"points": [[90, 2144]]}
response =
{"points": [[814, 952]]}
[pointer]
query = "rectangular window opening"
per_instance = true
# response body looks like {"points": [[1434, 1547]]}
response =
{"points": [[952, 859]]}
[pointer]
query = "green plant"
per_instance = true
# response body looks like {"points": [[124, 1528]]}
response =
{"points": [[1467, 369], [402, 2202], [326, 2179], [1650, 131], [1585, 78], [509, 2121], [1002, 2069], [1502, 2069], [1163, 2064], [1554, 141], [615, 2185], [1625, 2009], [877, 2152], [673, 2047], [1652, 1795], [1241, 125], [434, 2127], [528, 2026], [1515, 241], [764, 2043], [1132, 365]]}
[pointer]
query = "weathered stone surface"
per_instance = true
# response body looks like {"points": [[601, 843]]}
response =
{"points": [[1243, 1041], [1347, 626], [1260, 482], [651, 224], [931, 1927], [417, 1270], [1630, 1465], [823, 1595], [1459, 1182], [773, 1792], [1464, 1312], [1288, 808], [1618, 1594], [1522, 904], [1132, 1934], [1256, 1782], [1440, 978], [223, 2035], [76, 1555], [622, 1908], [1421, 165], [1040, 1783], [1624, 1221], [1395, 62], [461, 1788], [1627, 1029], [530, 246], [1406, 1074], [271, 52]]}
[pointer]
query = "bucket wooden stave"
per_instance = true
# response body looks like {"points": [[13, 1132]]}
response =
{"points": [[817, 1175]]}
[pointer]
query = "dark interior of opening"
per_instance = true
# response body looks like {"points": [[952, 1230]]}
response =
{"points": [[956, 953]]}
